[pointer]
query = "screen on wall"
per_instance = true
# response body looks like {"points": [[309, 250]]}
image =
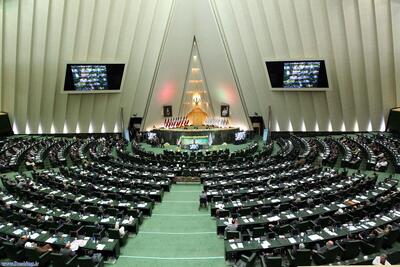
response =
{"points": [[89, 78], [304, 74]]}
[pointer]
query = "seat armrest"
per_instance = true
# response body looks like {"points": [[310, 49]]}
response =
{"points": [[339, 246], [72, 261], [364, 243], [290, 256], [79, 230], [263, 263], [45, 255], [101, 263], [249, 232], [318, 258]]}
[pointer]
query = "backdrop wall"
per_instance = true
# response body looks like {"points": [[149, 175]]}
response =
{"points": [[359, 39]]}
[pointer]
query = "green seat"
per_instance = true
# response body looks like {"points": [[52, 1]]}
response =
{"points": [[87, 261], [114, 234], [33, 255], [59, 260], [13, 252]]}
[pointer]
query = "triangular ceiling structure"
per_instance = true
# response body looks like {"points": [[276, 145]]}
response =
{"points": [[189, 19], [195, 90]]}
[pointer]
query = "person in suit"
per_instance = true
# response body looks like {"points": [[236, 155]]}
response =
{"points": [[324, 249], [21, 241], [297, 247]]}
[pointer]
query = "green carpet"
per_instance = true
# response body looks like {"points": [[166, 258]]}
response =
{"points": [[176, 235], [232, 147]]}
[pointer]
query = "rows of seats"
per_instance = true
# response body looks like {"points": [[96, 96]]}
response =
{"points": [[87, 209], [324, 217]]}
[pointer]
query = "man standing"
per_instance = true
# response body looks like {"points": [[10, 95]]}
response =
{"points": [[203, 200]]}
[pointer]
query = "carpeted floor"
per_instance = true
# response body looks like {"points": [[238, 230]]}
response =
{"points": [[177, 234]]}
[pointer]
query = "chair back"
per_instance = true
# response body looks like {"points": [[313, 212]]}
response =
{"points": [[31, 254], [258, 232], [273, 261], [11, 250], [352, 249], [233, 235], [113, 233], [86, 261], [392, 236], [303, 257], [58, 259], [304, 226], [332, 253]]}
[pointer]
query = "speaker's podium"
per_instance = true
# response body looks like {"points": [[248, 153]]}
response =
{"points": [[5, 125]]}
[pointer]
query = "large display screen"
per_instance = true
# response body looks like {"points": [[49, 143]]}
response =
{"points": [[88, 78], [305, 74]]}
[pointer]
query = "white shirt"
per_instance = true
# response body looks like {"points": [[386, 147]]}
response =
{"points": [[377, 261]]}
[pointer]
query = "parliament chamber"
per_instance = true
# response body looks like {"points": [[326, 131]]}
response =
{"points": [[199, 133], [274, 204]]}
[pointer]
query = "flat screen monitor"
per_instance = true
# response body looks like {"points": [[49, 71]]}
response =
{"points": [[300, 75], [93, 78], [240, 136]]}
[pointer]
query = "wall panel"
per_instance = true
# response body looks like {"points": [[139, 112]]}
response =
{"points": [[359, 39]]}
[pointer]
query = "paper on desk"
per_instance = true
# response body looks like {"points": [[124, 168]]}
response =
{"points": [[51, 240], [315, 237], [352, 228], [100, 246], [233, 246], [34, 236], [292, 240], [17, 232], [240, 245], [329, 232], [265, 244], [273, 218], [290, 216], [251, 220]]}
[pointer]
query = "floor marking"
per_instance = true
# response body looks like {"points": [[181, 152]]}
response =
{"points": [[186, 192], [171, 258], [183, 201], [171, 233], [181, 215]]}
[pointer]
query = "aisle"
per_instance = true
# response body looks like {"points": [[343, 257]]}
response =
{"points": [[176, 235]]}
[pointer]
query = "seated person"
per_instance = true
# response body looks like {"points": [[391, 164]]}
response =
{"points": [[381, 260], [232, 226], [21, 241], [297, 247], [324, 249], [40, 249], [67, 251]]}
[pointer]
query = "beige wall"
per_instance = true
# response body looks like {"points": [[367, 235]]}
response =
{"points": [[359, 39]]}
